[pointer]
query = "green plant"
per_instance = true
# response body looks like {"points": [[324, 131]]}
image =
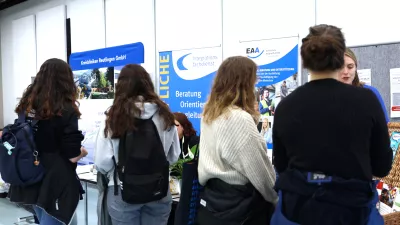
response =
{"points": [[102, 81], [177, 168]]}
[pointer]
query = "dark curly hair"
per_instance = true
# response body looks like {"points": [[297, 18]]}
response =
{"points": [[52, 91], [134, 85]]}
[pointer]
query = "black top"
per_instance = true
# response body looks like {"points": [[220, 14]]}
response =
{"points": [[57, 140], [60, 134], [330, 127], [189, 142]]}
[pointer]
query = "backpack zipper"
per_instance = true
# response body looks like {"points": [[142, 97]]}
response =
{"points": [[57, 205]]}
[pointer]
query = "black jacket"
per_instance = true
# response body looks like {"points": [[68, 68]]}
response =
{"points": [[339, 201], [57, 140], [187, 143], [222, 203]]}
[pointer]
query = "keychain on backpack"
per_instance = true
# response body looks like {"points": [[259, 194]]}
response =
{"points": [[36, 162]]}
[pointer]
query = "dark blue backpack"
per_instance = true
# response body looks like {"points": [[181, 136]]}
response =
{"points": [[19, 158]]}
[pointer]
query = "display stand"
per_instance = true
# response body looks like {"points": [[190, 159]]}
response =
{"points": [[380, 59], [393, 179], [95, 74]]}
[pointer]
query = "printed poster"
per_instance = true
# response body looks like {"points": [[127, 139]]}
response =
{"points": [[93, 114], [277, 76], [395, 93], [365, 76], [95, 91], [186, 78], [96, 73]]}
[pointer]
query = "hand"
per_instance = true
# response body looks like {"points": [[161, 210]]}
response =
{"points": [[84, 152]]}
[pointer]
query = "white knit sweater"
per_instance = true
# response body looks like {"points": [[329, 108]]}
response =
{"points": [[232, 149]]}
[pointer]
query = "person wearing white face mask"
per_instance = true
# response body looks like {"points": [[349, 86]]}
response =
{"points": [[349, 75]]}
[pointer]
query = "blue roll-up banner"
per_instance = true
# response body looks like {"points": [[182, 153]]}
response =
{"points": [[278, 64], [106, 57], [96, 73], [186, 78]]}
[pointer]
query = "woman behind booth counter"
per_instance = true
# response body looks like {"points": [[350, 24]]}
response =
{"points": [[233, 164], [187, 135], [329, 139], [51, 99], [349, 75]]}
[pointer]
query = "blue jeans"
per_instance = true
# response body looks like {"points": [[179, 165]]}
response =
{"points": [[46, 219], [152, 213]]}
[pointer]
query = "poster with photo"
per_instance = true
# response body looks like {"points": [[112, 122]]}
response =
{"points": [[95, 83], [277, 73], [95, 75]]}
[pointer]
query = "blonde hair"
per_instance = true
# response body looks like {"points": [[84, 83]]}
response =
{"points": [[265, 119], [233, 86]]}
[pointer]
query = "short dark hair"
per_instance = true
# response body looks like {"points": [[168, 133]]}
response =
{"points": [[323, 49]]}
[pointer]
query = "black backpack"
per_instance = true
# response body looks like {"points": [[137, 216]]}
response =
{"points": [[143, 169]]}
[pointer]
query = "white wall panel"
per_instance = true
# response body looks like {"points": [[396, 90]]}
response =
{"points": [[51, 34], [14, 83], [87, 24], [184, 24], [6, 68], [259, 19], [363, 22], [130, 21], [24, 59]]}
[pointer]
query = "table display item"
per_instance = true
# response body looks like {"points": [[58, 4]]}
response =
{"points": [[393, 179]]}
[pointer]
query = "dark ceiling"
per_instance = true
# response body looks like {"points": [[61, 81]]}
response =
{"points": [[4, 4]]}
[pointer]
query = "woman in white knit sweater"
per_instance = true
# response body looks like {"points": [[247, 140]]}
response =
{"points": [[233, 164]]}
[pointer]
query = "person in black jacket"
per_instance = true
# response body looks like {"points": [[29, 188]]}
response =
{"points": [[330, 139], [51, 100], [187, 135]]}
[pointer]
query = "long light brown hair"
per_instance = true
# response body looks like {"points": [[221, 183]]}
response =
{"points": [[134, 85], [356, 81], [233, 86]]}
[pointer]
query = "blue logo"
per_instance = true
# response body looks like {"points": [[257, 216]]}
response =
{"points": [[253, 53], [179, 63]]}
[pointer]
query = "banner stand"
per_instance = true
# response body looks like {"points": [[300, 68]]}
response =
{"points": [[96, 73]]}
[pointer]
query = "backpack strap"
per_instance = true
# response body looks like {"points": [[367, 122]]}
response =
{"points": [[22, 119], [115, 177]]}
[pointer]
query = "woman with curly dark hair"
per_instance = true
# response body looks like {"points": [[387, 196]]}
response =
{"points": [[51, 100], [187, 135], [138, 135]]}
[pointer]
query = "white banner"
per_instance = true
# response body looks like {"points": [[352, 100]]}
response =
{"points": [[92, 116], [365, 76], [395, 93]]}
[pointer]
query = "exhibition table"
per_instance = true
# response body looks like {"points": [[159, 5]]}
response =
{"points": [[86, 176]]}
